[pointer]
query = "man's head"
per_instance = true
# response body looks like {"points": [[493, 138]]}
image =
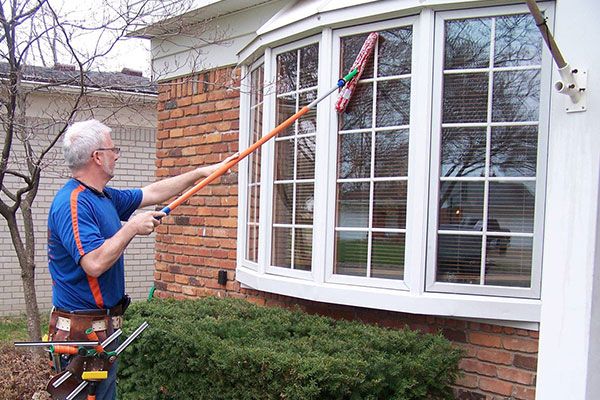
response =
{"points": [[88, 144]]}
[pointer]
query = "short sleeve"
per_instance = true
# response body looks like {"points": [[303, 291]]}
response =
{"points": [[125, 201]]}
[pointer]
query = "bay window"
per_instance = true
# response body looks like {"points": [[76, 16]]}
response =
{"points": [[427, 192]]}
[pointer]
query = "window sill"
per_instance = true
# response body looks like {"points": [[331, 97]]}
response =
{"points": [[518, 313]]}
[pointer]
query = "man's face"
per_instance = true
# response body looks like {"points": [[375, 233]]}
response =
{"points": [[109, 156]]}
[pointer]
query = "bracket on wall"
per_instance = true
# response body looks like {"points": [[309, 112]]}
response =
{"points": [[573, 83]]}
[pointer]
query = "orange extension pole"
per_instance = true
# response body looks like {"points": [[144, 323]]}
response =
{"points": [[224, 168]]}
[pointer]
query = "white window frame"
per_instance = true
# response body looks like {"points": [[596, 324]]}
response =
{"points": [[244, 142], [268, 179], [333, 136], [540, 178], [317, 285]]}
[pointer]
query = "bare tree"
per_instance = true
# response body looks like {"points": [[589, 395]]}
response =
{"points": [[44, 32]]}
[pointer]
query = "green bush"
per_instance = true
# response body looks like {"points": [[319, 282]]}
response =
{"points": [[231, 349]]}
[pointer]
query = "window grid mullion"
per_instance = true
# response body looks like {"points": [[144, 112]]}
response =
{"points": [[488, 144], [372, 172]]}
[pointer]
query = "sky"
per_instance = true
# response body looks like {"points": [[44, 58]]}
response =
{"points": [[130, 53]]}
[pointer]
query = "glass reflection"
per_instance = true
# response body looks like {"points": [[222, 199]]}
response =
{"points": [[354, 154], [309, 63], [305, 168], [514, 151], [508, 261], [460, 205], [284, 159], [287, 71], [518, 41], [353, 204], [389, 204], [393, 103], [395, 52], [305, 203], [387, 255], [467, 43], [351, 253], [459, 259], [512, 205], [391, 153], [465, 97], [302, 249], [516, 95], [283, 202], [359, 113], [463, 152], [282, 247]]}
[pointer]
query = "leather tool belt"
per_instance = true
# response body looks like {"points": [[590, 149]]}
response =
{"points": [[72, 326]]}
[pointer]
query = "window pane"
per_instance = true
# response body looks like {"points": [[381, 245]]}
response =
{"points": [[391, 153], [253, 203], [518, 41], [463, 152], [394, 55], [514, 151], [284, 198], [511, 207], [389, 205], [252, 249], [353, 204], [253, 185], [295, 160], [508, 261], [459, 259], [359, 113], [256, 86], [461, 205], [303, 249], [516, 95], [284, 159], [286, 107], [387, 255], [282, 247], [305, 202], [287, 71], [351, 253], [350, 48], [309, 62], [393, 102], [467, 43], [305, 168], [465, 98], [308, 122], [354, 155]]}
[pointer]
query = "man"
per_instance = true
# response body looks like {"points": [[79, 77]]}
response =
{"points": [[86, 240]]}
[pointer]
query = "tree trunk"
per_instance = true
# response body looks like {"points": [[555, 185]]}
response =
{"points": [[26, 257], [31, 305]]}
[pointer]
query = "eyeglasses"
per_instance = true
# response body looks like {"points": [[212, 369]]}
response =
{"points": [[116, 150]]}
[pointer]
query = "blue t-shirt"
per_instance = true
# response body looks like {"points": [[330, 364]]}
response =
{"points": [[79, 221]]}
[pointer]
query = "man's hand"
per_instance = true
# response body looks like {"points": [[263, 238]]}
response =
{"points": [[209, 169], [144, 223]]}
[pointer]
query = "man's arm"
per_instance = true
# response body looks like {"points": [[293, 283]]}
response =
{"points": [[98, 261], [163, 190]]}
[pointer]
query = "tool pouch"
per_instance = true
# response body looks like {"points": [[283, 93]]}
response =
{"points": [[64, 326]]}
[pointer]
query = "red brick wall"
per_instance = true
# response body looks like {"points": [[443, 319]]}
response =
{"points": [[198, 124]]}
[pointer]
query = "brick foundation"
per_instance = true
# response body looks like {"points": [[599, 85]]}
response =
{"points": [[198, 124]]}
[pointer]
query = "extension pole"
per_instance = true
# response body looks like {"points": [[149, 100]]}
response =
{"points": [[568, 84], [224, 168], [540, 21]]}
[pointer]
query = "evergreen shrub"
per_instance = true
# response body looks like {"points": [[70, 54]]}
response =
{"points": [[231, 349]]}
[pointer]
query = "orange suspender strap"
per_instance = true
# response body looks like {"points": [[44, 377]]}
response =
{"points": [[93, 282]]}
